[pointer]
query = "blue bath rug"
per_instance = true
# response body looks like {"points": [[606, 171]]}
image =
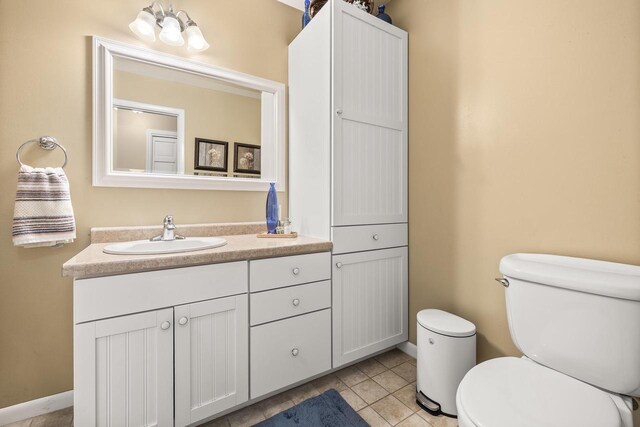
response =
{"points": [[327, 410]]}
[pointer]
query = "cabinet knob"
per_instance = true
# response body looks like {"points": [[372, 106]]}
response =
{"points": [[376, 237], [295, 352], [339, 111], [183, 321], [296, 271], [295, 302], [165, 325], [338, 265]]}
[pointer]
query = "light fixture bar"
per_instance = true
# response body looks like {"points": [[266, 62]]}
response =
{"points": [[172, 26]]}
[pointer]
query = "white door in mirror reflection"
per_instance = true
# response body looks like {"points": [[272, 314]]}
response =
{"points": [[163, 155], [147, 138]]}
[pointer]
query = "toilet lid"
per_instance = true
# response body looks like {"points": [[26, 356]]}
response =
{"points": [[508, 392]]}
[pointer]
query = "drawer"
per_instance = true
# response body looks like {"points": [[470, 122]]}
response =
{"points": [[265, 274], [290, 350], [368, 237], [102, 297], [287, 302]]}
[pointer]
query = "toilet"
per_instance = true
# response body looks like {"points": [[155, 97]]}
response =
{"points": [[577, 322]]}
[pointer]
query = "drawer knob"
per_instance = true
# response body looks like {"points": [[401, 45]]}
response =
{"points": [[338, 265], [296, 271], [295, 352], [376, 237], [165, 325], [295, 302], [183, 321], [339, 111]]}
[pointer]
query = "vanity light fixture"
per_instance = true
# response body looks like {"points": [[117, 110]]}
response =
{"points": [[172, 27]]}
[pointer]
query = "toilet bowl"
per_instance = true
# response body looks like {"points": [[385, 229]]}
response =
{"points": [[512, 392], [577, 322]]}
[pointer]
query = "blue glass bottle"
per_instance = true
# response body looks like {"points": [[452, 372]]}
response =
{"points": [[306, 18], [382, 15], [272, 209]]}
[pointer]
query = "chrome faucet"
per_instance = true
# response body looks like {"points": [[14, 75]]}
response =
{"points": [[168, 232]]}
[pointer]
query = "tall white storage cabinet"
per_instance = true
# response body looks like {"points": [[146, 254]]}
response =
{"points": [[348, 169]]}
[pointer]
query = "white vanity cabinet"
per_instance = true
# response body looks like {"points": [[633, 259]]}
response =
{"points": [[179, 346], [290, 320], [211, 351], [123, 371], [189, 333], [348, 169]]}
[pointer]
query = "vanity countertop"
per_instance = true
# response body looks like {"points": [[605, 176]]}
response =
{"points": [[92, 262]]}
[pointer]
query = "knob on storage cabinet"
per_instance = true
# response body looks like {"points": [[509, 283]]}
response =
{"points": [[348, 168]]}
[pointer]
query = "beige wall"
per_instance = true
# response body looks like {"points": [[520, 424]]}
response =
{"points": [[524, 136], [209, 114], [45, 88]]}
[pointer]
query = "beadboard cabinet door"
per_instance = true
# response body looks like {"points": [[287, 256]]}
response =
{"points": [[211, 351], [123, 374], [370, 300], [369, 77]]}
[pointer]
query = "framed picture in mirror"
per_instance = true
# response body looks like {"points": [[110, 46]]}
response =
{"points": [[246, 158], [211, 155]]}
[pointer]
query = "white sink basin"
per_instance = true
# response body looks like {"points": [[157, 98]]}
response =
{"points": [[147, 247]]}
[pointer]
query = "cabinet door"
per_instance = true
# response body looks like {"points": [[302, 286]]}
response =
{"points": [[369, 119], [370, 303], [123, 371], [211, 350]]}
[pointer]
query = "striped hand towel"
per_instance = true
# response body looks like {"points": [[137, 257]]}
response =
{"points": [[43, 215]]}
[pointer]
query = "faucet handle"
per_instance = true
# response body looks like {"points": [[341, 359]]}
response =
{"points": [[168, 232], [168, 223]]}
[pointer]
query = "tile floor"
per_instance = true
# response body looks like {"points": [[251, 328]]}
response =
{"points": [[61, 418], [380, 389]]}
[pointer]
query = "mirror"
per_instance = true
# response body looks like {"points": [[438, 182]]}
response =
{"points": [[168, 122]]}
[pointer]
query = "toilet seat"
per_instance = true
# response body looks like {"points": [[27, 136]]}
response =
{"points": [[508, 392]]}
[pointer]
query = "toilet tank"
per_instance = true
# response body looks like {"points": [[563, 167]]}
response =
{"points": [[577, 316]]}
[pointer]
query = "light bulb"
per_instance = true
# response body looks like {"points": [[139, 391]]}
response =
{"points": [[171, 33], [144, 25], [195, 39]]}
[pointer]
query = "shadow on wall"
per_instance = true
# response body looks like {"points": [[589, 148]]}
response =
{"points": [[522, 138], [432, 189]]}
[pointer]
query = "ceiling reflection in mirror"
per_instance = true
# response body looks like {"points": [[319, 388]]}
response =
{"points": [[168, 121]]}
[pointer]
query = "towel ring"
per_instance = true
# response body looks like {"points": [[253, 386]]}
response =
{"points": [[46, 143]]}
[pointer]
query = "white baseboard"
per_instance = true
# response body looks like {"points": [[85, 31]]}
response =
{"points": [[33, 408], [410, 348]]}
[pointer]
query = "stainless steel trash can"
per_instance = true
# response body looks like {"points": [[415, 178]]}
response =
{"points": [[446, 352]]}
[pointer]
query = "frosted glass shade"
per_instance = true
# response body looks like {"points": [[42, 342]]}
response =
{"points": [[195, 39], [171, 33], [144, 26]]}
